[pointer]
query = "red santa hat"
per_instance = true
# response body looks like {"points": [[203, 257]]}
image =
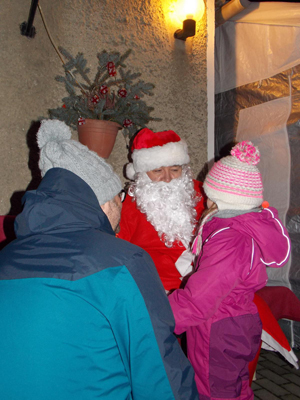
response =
{"points": [[152, 150]]}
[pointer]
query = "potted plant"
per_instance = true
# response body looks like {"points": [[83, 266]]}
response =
{"points": [[112, 100]]}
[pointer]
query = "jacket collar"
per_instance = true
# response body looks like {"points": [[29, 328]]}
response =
{"points": [[62, 203]]}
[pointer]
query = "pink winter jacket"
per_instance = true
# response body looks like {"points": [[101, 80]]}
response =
{"points": [[216, 306]]}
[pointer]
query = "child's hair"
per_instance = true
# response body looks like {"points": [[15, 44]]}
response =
{"points": [[208, 211], [235, 182], [206, 215]]}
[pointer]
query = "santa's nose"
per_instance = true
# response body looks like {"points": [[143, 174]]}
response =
{"points": [[167, 175]]}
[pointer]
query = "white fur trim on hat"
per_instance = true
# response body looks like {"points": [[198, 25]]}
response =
{"points": [[173, 153], [130, 172]]}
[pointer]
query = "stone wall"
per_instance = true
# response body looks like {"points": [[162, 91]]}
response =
{"points": [[29, 65]]}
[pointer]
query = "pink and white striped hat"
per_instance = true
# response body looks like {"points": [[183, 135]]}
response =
{"points": [[235, 182]]}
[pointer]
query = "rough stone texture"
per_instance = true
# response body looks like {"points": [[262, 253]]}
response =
{"points": [[29, 66]]}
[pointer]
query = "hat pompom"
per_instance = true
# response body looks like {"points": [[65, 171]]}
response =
{"points": [[52, 130], [246, 152], [130, 171]]}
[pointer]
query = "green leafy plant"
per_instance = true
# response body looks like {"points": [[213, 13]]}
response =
{"points": [[113, 95]]}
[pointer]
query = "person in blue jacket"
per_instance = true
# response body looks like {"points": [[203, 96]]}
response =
{"points": [[83, 314]]}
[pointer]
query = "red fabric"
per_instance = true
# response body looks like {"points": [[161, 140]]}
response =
{"points": [[135, 228], [7, 233], [282, 302], [269, 323], [146, 139]]}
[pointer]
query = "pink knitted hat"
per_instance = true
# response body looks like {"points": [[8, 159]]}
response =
{"points": [[235, 182]]}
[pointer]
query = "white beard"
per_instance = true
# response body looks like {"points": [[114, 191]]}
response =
{"points": [[169, 207]]}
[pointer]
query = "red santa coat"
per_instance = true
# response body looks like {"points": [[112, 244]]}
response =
{"points": [[171, 263]]}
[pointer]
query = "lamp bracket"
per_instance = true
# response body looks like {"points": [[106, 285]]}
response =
{"points": [[188, 29]]}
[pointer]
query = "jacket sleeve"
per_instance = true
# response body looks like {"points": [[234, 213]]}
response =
{"points": [[220, 270], [143, 325]]}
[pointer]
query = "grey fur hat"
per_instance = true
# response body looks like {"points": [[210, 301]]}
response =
{"points": [[58, 150]]}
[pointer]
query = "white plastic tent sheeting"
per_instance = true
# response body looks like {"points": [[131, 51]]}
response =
{"points": [[265, 125], [257, 71], [258, 43]]}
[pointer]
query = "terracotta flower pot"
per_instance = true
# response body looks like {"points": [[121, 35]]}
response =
{"points": [[99, 135]]}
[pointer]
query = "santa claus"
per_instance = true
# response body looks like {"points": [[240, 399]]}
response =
{"points": [[163, 203]]}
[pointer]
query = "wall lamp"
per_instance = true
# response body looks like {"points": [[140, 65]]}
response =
{"points": [[188, 29]]}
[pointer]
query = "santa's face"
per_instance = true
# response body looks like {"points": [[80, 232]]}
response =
{"points": [[168, 205], [165, 174]]}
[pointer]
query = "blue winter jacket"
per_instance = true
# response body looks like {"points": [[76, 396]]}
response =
{"points": [[83, 314]]}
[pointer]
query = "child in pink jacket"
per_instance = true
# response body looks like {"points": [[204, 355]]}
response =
{"points": [[237, 239]]}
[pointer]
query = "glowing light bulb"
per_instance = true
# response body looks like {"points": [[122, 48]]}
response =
{"points": [[190, 8]]}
